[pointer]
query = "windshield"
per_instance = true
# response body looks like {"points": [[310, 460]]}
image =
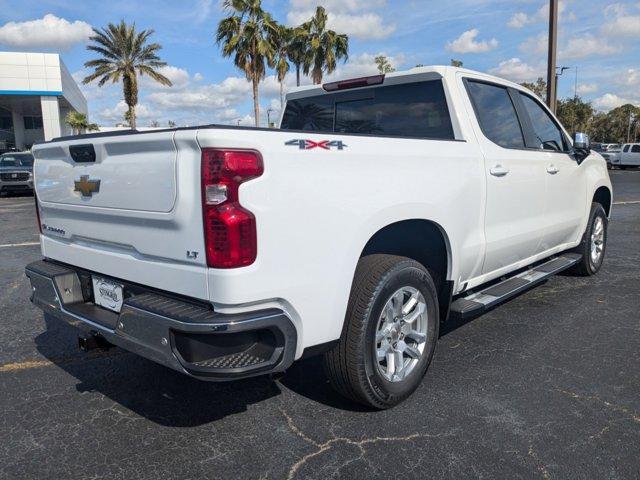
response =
{"points": [[16, 160]]}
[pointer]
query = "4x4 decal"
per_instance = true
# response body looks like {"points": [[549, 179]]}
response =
{"points": [[306, 144]]}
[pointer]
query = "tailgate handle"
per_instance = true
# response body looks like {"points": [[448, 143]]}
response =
{"points": [[83, 153]]}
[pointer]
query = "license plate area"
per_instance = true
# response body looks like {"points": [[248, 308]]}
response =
{"points": [[107, 294]]}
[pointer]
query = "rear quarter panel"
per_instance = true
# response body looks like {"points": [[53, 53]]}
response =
{"points": [[316, 209]]}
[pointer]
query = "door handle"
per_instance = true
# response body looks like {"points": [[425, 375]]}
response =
{"points": [[552, 169], [499, 171]]}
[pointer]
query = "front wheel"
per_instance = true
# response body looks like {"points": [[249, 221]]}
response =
{"points": [[593, 244], [390, 332]]}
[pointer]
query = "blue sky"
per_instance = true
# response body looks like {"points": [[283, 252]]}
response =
{"points": [[507, 38]]}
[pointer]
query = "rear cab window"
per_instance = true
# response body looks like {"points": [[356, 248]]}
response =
{"points": [[410, 110], [496, 114]]}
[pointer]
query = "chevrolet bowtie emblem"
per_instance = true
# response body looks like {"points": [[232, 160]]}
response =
{"points": [[86, 187]]}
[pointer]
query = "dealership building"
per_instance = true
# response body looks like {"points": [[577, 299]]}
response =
{"points": [[36, 93]]}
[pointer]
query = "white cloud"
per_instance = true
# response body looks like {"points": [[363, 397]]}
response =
{"points": [[586, 88], [516, 70], [337, 5], [537, 45], [520, 19], [609, 101], [365, 26], [48, 33], [587, 46], [467, 43], [116, 114], [179, 78], [621, 23], [630, 79], [353, 17]]}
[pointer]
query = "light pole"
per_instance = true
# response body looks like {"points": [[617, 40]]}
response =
{"points": [[551, 59]]}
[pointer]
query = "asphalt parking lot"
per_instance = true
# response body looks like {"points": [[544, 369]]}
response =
{"points": [[545, 386]]}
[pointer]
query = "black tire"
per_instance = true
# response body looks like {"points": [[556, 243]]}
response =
{"points": [[587, 267], [352, 366]]}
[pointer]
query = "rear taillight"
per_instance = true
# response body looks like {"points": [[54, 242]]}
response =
{"points": [[229, 229], [37, 211]]}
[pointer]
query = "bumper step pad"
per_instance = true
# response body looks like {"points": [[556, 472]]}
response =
{"points": [[183, 334], [480, 301]]}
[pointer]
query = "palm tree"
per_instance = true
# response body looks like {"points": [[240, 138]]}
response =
{"points": [[248, 34], [283, 40], [297, 50], [125, 54], [325, 47], [79, 123]]}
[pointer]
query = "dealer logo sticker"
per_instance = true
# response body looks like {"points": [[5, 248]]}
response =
{"points": [[306, 144]]}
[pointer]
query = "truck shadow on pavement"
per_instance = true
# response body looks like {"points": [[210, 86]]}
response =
{"points": [[167, 397]]}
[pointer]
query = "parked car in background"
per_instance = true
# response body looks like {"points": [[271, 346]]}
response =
{"points": [[630, 155], [612, 156], [16, 172], [608, 147]]}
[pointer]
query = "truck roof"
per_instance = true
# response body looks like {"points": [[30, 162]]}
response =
{"points": [[428, 70]]}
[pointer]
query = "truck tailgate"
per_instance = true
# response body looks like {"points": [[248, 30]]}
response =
{"points": [[133, 212]]}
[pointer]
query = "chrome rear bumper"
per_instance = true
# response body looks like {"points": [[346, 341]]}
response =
{"points": [[185, 335]]}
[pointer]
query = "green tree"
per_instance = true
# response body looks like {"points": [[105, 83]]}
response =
{"points": [[539, 87], [283, 39], [79, 123], [325, 47], [383, 64], [456, 63], [125, 54], [575, 114], [248, 35], [297, 49], [171, 124]]}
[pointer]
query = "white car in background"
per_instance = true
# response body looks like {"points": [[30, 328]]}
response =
{"points": [[630, 155], [612, 155]]}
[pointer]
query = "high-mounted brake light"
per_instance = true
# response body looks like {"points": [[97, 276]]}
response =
{"points": [[354, 83], [229, 229]]}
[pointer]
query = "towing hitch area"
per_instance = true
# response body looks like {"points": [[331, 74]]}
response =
{"points": [[93, 341]]}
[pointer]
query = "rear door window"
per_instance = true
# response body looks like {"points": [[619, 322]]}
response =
{"points": [[416, 110], [635, 149], [496, 114]]}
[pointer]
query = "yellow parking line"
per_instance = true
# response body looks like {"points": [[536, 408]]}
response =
{"points": [[31, 364], [633, 202], [24, 244], [12, 367]]}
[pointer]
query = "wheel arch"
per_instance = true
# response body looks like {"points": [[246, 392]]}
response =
{"points": [[602, 195], [424, 241]]}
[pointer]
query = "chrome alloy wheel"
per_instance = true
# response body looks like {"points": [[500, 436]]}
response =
{"points": [[401, 334], [597, 241]]}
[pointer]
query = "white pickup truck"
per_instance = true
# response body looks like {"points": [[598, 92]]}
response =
{"points": [[382, 206]]}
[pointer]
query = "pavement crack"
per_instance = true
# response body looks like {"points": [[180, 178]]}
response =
{"points": [[611, 406], [542, 468], [329, 444]]}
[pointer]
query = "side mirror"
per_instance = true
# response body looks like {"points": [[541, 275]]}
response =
{"points": [[581, 146], [581, 141]]}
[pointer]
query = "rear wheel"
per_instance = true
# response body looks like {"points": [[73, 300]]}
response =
{"points": [[594, 243], [390, 332]]}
